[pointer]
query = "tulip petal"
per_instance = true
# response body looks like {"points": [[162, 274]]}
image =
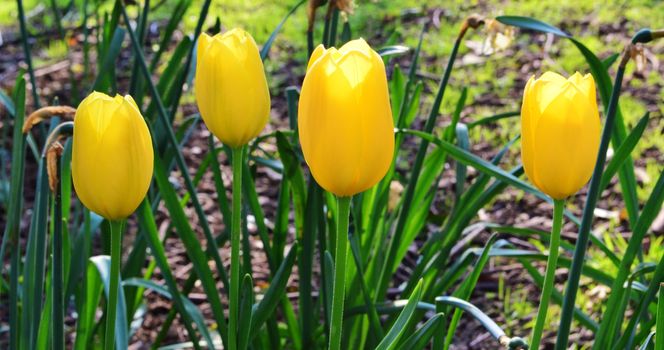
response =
{"points": [[231, 88], [566, 143], [112, 156]]}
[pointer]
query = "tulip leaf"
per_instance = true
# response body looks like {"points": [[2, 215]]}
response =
{"points": [[8, 103], [173, 22], [420, 338], [493, 118], [468, 285], [624, 151], [246, 302], [393, 50], [277, 289], [399, 328], [532, 24], [108, 63], [148, 227], [103, 265], [265, 50], [192, 310], [609, 61]]}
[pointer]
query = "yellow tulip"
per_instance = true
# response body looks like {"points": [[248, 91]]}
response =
{"points": [[112, 158], [345, 120], [231, 88], [560, 132]]}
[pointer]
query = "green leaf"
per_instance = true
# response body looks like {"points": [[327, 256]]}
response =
{"points": [[277, 289], [421, 338], [246, 302], [148, 227], [106, 68], [393, 50], [103, 265], [192, 312], [532, 24], [398, 329], [467, 286], [265, 50], [192, 244], [624, 151]]}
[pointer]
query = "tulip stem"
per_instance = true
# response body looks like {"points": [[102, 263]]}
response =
{"points": [[339, 284], [111, 307], [549, 278], [234, 302]]}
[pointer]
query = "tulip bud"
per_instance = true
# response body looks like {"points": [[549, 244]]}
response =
{"points": [[231, 88], [112, 157], [560, 132], [345, 120]]}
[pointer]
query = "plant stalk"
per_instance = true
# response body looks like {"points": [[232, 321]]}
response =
{"points": [[550, 276], [58, 298], [339, 284], [111, 307], [235, 247]]}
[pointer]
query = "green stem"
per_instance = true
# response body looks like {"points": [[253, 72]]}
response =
{"points": [[58, 299], [659, 335], [339, 284], [111, 307], [551, 264], [235, 246]]}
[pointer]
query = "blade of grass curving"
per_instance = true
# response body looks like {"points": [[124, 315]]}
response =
{"points": [[265, 50], [393, 50], [421, 338], [609, 61], [648, 342], [190, 310], [15, 209], [398, 329]]}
